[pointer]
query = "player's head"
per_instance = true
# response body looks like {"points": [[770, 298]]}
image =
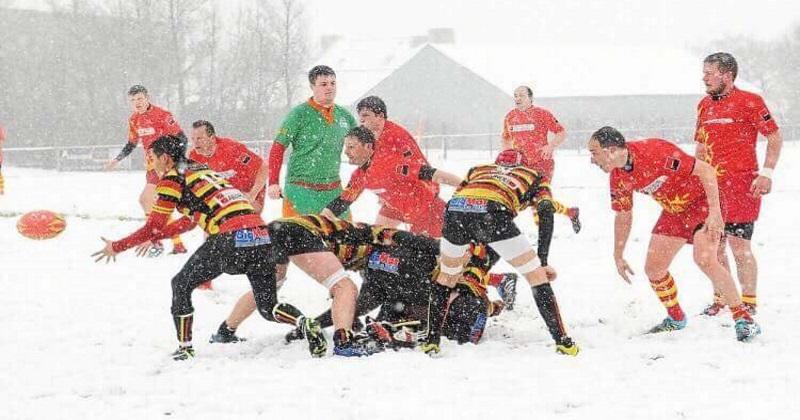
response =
{"points": [[523, 97], [719, 72], [608, 149], [139, 98], [323, 84], [511, 157], [359, 144], [169, 151], [372, 113], [204, 137]]}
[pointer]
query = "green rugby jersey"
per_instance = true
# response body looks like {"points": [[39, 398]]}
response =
{"points": [[316, 143]]}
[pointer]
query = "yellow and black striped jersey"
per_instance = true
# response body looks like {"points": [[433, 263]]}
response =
{"points": [[514, 188]]}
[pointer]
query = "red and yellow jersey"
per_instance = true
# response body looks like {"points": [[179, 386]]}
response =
{"points": [[393, 173], [147, 127], [515, 188], [728, 127], [527, 130], [203, 197], [659, 169], [233, 161]]}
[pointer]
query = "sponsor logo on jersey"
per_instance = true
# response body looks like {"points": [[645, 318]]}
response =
{"points": [[516, 128], [655, 185], [383, 261], [251, 237], [468, 205], [244, 158], [145, 131], [343, 123], [229, 195], [719, 121], [230, 173]]}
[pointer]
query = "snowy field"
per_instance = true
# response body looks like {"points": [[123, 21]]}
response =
{"points": [[92, 341]]}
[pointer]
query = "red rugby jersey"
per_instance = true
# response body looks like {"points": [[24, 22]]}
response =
{"points": [[149, 126], [661, 170], [528, 130], [393, 173], [233, 161], [728, 127]]}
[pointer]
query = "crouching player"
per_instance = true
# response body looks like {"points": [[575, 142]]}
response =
{"points": [[238, 242], [686, 188], [482, 210]]}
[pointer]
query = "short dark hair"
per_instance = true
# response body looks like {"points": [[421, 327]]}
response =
{"points": [[363, 135], [374, 104], [203, 123], [530, 91], [320, 70], [609, 136], [173, 146], [725, 62], [137, 89]]}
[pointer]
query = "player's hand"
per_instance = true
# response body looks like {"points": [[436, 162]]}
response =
{"points": [[714, 224], [107, 252], [326, 212], [274, 191], [111, 164], [141, 250], [760, 186], [544, 274], [547, 151], [623, 269]]}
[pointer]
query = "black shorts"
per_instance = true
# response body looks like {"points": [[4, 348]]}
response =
{"points": [[740, 230], [495, 224], [290, 239]]}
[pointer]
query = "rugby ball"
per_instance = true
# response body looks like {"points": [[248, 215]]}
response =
{"points": [[41, 224]]}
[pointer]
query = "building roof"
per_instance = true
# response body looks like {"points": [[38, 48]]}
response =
{"points": [[566, 70]]}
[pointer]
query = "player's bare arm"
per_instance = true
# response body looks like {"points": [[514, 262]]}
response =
{"points": [[763, 182], [622, 229]]}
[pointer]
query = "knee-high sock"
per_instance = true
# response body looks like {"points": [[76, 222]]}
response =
{"points": [[548, 309], [667, 293]]}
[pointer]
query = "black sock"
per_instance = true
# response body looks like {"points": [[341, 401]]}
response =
{"points": [[286, 313], [548, 309]]}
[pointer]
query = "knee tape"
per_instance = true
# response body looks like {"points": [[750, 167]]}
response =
{"points": [[528, 266], [512, 247], [334, 278], [449, 249]]}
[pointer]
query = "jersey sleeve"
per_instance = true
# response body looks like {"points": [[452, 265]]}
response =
{"points": [[552, 123], [355, 187], [621, 194], [289, 128], [133, 136], [168, 193], [675, 160], [169, 125], [762, 118], [246, 158]]}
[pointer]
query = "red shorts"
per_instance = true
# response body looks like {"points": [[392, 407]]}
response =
{"points": [[426, 219], [738, 205], [682, 225]]}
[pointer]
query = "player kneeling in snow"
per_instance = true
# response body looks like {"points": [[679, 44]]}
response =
{"points": [[238, 241]]}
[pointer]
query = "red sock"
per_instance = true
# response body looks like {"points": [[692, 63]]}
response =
{"points": [[667, 292], [740, 312]]}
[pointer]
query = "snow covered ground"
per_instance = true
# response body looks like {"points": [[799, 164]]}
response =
{"points": [[86, 340]]}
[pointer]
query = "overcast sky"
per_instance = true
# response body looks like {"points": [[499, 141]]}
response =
{"points": [[666, 22], [685, 23]]}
